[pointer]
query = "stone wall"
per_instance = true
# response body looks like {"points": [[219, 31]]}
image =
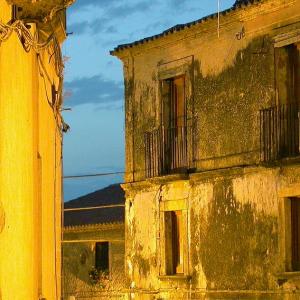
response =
{"points": [[234, 206], [228, 80], [234, 235]]}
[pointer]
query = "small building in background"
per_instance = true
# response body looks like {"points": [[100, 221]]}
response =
{"points": [[93, 245]]}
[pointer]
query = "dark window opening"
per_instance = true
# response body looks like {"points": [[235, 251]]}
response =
{"points": [[102, 256], [288, 88], [174, 107], [295, 233], [174, 242], [166, 148], [288, 74]]}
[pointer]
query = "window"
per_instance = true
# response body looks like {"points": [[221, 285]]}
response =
{"points": [[173, 102], [174, 242], [173, 238], [102, 256], [288, 74], [290, 243], [280, 123], [295, 234], [173, 137], [169, 146]]}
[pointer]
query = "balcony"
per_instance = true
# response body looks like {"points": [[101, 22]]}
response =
{"points": [[279, 132], [166, 151]]}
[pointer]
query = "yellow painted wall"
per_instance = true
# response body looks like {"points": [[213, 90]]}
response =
{"points": [[30, 174]]}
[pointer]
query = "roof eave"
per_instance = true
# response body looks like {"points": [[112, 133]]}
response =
{"points": [[96, 226], [180, 27]]}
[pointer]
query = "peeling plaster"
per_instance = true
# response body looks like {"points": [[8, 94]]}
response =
{"points": [[232, 204]]}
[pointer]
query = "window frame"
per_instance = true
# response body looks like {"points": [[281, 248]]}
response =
{"points": [[108, 255], [287, 38], [182, 67], [294, 234], [287, 94], [287, 91], [173, 120], [285, 195], [167, 206], [173, 236], [288, 234]]}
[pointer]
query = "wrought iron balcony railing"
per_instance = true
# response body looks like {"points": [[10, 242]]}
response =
{"points": [[279, 132], [166, 151]]}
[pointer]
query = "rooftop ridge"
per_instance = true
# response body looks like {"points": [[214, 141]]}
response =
{"points": [[179, 27]]}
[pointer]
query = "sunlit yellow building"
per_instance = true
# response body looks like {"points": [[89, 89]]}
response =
{"points": [[31, 67]]}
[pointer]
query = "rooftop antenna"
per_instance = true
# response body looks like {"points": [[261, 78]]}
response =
{"points": [[218, 18]]}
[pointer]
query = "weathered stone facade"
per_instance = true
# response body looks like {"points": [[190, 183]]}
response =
{"points": [[234, 196]]}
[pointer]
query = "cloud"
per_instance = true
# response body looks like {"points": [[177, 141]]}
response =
{"points": [[96, 26], [125, 10], [94, 90], [78, 28], [83, 4], [113, 43], [112, 12], [157, 26], [111, 29], [177, 3]]}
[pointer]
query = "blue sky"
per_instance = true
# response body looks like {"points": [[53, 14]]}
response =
{"points": [[94, 79]]}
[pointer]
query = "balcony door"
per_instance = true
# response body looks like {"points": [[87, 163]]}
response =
{"points": [[288, 103], [288, 74], [174, 130]]}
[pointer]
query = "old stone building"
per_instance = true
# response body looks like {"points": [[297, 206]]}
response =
{"points": [[212, 156], [31, 77], [93, 246]]}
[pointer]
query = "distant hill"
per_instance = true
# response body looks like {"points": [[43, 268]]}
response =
{"points": [[110, 195]]}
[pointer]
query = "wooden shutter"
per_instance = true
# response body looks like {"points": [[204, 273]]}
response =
{"points": [[174, 242], [179, 242], [297, 73], [179, 101], [287, 74], [169, 243], [281, 59], [165, 97], [173, 102], [295, 234]]}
